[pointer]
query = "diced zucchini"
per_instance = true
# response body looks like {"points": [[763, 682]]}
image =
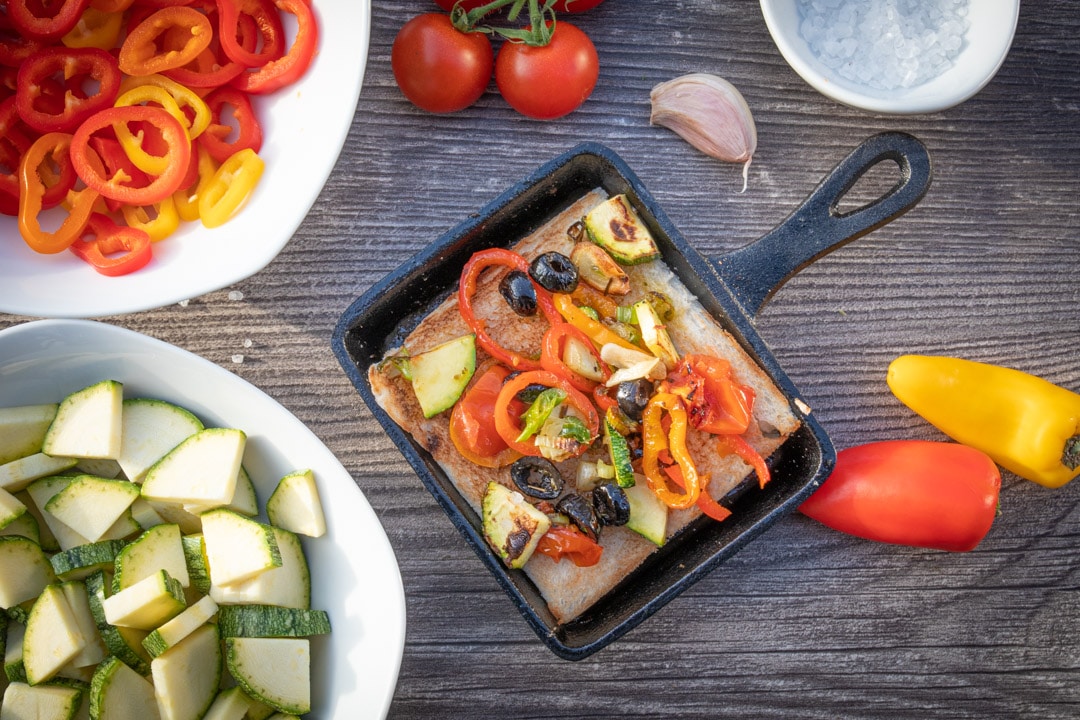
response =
{"points": [[52, 636], [99, 467], [275, 671], [119, 693], [24, 570], [22, 430], [243, 501], [173, 632], [41, 702], [17, 474], [150, 429], [124, 527], [186, 679], [11, 509], [287, 586], [94, 650], [14, 670], [619, 451], [41, 491], [159, 548], [80, 561], [648, 514], [512, 526], [261, 711], [441, 374], [146, 604], [24, 526], [271, 621], [201, 470], [197, 565], [145, 515], [599, 269], [87, 423], [230, 704], [615, 226], [122, 642], [44, 536], [177, 515], [295, 505], [237, 547]]}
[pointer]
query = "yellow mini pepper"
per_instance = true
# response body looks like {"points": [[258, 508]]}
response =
{"points": [[1028, 425]]}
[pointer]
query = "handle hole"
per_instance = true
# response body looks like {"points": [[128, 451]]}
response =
{"points": [[876, 183]]}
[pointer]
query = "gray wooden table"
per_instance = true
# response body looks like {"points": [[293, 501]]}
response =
{"points": [[805, 622]]}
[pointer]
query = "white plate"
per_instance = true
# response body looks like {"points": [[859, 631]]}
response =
{"points": [[987, 43], [304, 128], [354, 574]]}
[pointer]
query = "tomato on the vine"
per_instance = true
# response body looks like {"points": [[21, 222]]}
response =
{"points": [[439, 68], [549, 81]]}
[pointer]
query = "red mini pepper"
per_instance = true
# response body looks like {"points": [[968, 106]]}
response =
{"points": [[234, 14], [286, 70], [248, 131], [183, 31], [118, 186], [910, 492], [112, 249], [43, 20], [60, 72]]}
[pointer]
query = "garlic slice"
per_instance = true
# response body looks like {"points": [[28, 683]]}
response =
{"points": [[709, 113], [631, 364]]}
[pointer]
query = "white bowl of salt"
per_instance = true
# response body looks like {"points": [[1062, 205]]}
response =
{"points": [[894, 56]]}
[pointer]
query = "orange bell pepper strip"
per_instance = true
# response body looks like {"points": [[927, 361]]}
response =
{"points": [[597, 332], [32, 192], [509, 427], [737, 445], [655, 441]]}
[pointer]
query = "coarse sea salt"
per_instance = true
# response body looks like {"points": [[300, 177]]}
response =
{"points": [[885, 44]]}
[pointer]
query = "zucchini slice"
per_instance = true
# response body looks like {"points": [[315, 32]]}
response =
{"points": [[81, 561], [287, 586], [230, 704], [201, 470], [93, 651], [119, 693], [24, 570], [91, 505], [271, 621], [149, 430], [186, 679], [87, 423], [275, 671], [23, 428], [53, 636], [41, 491], [11, 508], [237, 547], [159, 548], [17, 474], [295, 505], [123, 643], [173, 632], [146, 604], [55, 702]]}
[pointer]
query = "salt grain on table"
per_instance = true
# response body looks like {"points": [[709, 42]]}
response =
{"points": [[885, 44]]}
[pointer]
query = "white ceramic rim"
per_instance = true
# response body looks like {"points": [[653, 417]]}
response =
{"points": [[304, 129], [354, 571], [993, 24]]}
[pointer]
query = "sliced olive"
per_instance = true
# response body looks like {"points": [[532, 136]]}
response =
{"points": [[633, 396], [611, 504], [554, 272], [519, 293], [581, 512], [537, 477]]}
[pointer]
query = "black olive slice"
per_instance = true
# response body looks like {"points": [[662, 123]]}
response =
{"points": [[554, 272], [519, 293], [633, 396], [581, 512], [537, 477], [611, 504]]}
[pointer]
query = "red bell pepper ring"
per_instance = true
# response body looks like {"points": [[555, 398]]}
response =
{"points": [[185, 32], [116, 162], [479, 262], [509, 427], [248, 131], [61, 64], [45, 21], [233, 15], [112, 249], [15, 140], [15, 48], [286, 70], [910, 492], [32, 192], [111, 6], [551, 350], [118, 186]]}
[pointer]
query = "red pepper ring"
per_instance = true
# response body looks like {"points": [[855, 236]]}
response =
{"points": [[479, 262], [186, 32], [115, 187], [32, 193], [248, 130], [509, 428], [100, 251], [551, 351], [735, 444], [51, 24], [37, 83], [286, 70], [267, 20]]}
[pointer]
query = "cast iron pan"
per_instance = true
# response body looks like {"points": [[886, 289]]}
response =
{"points": [[732, 288]]}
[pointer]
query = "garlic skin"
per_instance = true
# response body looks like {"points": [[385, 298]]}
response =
{"points": [[709, 113]]}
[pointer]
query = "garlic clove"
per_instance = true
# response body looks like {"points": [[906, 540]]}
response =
{"points": [[709, 113]]}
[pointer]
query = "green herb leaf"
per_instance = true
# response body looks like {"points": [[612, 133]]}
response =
{"points": [[538, 413]]}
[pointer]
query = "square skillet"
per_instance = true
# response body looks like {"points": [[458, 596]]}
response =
{"points": [[732, 288]]}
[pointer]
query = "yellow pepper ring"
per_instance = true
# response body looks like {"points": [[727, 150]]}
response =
{"points": [[231, 185], [133, 142], [164, 223], [674, 441], [187, 199], [96, 29], [185, 97]]}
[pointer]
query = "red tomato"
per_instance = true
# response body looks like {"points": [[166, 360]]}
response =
{"points": [[438, 68], [473, 418], [550, 81], [564, 541]]}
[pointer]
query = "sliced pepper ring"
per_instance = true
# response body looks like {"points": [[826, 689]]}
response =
{"points": [[509, 427], [32, 192], [108, 239], [184, 31], [35, 78], [655, 440], [551, 355]]}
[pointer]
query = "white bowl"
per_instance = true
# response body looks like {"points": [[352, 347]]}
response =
{"points": [[354, 574], [304, 129], [987, 42]]}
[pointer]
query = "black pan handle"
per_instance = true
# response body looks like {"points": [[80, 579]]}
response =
{"points": [[756, 271]]}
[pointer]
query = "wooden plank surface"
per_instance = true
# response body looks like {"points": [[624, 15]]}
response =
{"points": [[805, 622]]}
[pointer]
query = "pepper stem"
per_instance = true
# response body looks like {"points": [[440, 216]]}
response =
{"points": [[1070, 456]]}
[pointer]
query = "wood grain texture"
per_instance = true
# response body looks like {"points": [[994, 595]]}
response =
{"points": [[803, 623]]}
